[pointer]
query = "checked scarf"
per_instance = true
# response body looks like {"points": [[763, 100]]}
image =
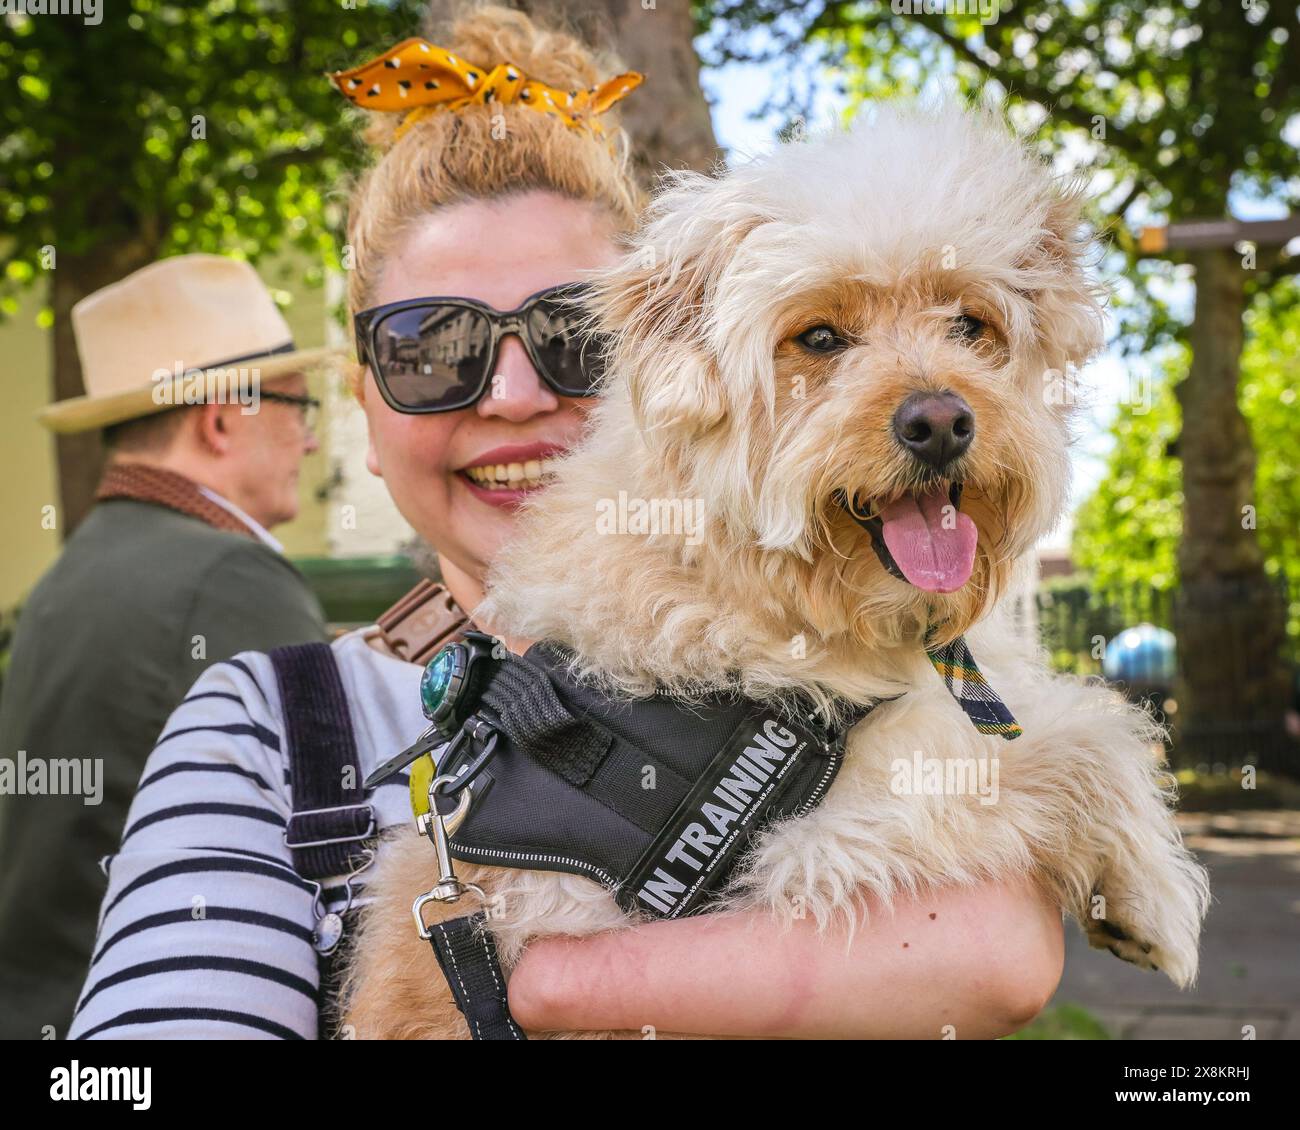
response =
{"points": [[966, 683]]}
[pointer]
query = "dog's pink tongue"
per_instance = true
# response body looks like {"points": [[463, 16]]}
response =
{"points": [[932, 544]]}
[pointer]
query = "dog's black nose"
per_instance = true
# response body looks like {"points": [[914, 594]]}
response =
{"points": [[936, 427]]}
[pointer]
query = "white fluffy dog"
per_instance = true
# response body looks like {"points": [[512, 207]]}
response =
{"points": [[893, 312]]}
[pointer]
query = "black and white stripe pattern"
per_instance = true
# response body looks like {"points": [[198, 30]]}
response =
{"points": [[205, 929]]}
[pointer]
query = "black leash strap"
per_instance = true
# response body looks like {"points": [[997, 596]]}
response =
{"points": [[468, 957], [331, 830]]}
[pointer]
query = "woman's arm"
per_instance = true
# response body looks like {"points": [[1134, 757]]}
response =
{"points": [[969, 962], [205, 930]]}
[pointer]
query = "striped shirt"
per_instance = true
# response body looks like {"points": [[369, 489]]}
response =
{"points": [[205, 929]]}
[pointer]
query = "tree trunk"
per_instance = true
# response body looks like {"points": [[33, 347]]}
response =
{"points": [[668, 117], [1229, 617], [80, 457]]}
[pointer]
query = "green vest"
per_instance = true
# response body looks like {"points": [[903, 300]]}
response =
{"points": [[141, 600]]}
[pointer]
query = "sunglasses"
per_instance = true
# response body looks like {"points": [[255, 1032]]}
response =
{"points": [[438, 354]]}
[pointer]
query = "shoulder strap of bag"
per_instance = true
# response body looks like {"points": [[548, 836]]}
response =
{"points": [[332, 830], [331, 821]]}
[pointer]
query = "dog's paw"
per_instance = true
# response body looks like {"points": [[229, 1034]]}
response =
{"points": [[1108, 934], [1154, 926]]}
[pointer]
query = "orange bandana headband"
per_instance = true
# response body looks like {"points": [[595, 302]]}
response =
{"points": [[421, 78]]}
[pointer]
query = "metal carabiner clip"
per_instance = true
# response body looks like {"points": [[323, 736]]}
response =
{"points": [[434, 825]]}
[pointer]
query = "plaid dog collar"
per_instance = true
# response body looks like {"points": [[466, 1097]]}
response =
{"points": [[966, 683]]}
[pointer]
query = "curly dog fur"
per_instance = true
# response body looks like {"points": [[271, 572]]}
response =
{"points": [[889, 233]]}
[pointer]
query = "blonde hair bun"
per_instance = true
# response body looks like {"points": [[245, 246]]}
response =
{"points": [[485, 152]]}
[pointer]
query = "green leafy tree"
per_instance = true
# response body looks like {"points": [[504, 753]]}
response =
{"points": [[1127, 531], [168, 128], [210, 126], [1270, 400], [1171, 108]]}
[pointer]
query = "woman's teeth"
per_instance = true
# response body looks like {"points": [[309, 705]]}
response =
{"points": [[512, 476]]}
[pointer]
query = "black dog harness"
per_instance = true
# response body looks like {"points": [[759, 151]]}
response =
{"points": [[656, 798]]}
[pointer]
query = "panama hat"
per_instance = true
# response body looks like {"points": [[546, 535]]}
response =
{"points": [[148, 341]]}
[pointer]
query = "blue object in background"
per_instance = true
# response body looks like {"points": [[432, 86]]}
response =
{"points": [[1144, 654]]}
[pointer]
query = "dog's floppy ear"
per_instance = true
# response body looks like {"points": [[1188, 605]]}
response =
{"points": [[657, 302], [1067, 306]]}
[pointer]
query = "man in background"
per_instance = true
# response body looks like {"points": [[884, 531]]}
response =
{"points": [[191, 372]]}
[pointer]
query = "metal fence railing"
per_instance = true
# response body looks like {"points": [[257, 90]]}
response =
{"points": [[1128, 636]]}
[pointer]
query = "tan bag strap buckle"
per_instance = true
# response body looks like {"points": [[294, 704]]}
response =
{"points": [[421, 622]]}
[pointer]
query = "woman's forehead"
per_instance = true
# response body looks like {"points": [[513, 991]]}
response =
{"points": [[499, 251]]}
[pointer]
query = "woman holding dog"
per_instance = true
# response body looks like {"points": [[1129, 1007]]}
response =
{"points": [[489, 204]]}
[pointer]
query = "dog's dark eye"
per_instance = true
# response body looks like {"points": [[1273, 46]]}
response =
{"points": [[821, 339], [968, 327]]}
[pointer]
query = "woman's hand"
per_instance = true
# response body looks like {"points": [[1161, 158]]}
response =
{"points": [[966, 962]]}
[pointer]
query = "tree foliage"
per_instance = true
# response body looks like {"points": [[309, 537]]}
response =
{"points": [[175, 127], [1127, 531], [1166, 106]]}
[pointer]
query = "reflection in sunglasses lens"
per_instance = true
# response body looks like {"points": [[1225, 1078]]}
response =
{"points": [[572, 356], [432, 355]]}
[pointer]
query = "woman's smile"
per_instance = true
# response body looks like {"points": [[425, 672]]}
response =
{"points": [[505, 475]]}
